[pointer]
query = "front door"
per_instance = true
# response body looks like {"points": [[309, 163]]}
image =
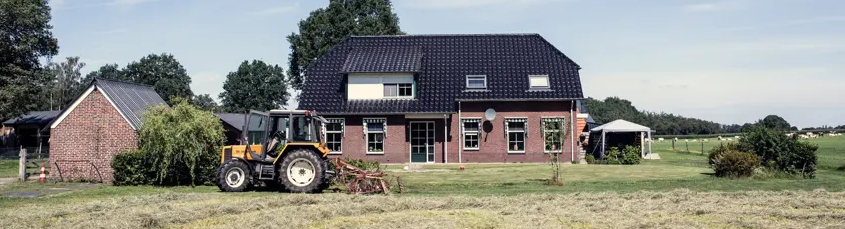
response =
{"points": [[422, 142]]}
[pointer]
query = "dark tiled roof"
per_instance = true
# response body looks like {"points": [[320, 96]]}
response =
{"points": [[390, 59], [34, 117], [130, 98], [445, 60], [233, 119]]}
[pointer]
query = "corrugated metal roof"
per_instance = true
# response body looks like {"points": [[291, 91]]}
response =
{"points": [[130, 98], [34, 117], [506, 59]]}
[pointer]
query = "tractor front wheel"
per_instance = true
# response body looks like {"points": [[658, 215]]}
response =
{"points": [[233, 176], [302, 171]]}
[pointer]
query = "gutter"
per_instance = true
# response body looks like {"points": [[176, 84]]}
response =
{"points": [[445, 140], [574, 123]]}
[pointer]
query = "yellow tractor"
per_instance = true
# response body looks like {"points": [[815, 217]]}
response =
{"points": [[280, 148]]}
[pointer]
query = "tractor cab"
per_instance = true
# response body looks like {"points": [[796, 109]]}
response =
{"points": [[279, 147]]}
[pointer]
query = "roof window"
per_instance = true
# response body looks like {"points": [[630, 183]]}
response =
{"points": [[476, 82], [538, 81]]}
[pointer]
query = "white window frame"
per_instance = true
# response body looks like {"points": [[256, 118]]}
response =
{"points": [[398, 85], [367, 135], [543, 122], [524, 132], [548, 84], [465, 132], [341, 132], [476, 77]]}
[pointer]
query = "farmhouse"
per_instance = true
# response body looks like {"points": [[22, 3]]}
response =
{"points": [[423, 98], [99, 124]]}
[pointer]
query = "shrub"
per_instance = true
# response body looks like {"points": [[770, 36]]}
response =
{"points": [[631, 155], [132, 168], [777, 151], [590, 159], [735, 164], [718, 151], [364, 164], [611, 156], [178, 146]]}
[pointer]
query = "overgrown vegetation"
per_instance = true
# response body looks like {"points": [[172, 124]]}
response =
{"points": [[777, 151], [179, 146], [735, 164], [629, 155], [554, 133]]}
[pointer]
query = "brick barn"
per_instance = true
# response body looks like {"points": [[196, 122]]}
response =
{"points": [[99, 124], [422, 98]]}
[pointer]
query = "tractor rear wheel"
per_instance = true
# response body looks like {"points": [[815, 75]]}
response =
{"points": [[234, 176], [302, 171]]}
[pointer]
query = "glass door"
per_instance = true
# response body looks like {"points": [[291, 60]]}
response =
{"points": [[422, 142]]}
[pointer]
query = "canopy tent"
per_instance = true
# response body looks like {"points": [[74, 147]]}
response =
{"points": [[623, 126]]}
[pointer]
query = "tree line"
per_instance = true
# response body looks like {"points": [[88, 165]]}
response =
{"points": [[613, 108], [27, 84]]}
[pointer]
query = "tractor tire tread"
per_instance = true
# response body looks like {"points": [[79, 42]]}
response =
{"points": [[221, 176], [317, 185]]}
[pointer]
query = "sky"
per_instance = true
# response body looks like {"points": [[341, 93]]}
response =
{"points": [[725, 61]]}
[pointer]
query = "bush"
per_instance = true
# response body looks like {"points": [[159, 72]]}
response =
{"points": [[718, 151], [132, 168], [735, 164], [631, 155], [777, 151], [611, 156], [370, 165], [590, 159], [178, 146]]}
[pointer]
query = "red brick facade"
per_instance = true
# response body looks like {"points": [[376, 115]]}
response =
{"points": [[92, 133], [492, 149]]}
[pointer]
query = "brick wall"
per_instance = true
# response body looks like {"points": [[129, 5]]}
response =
{"points": [[493, 148], [397, 144], [93, 132]]}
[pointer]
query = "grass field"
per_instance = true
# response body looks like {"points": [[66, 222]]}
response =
{"points": [[677, 191]]}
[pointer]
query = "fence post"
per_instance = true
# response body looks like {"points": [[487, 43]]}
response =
{"points": [[673, 144], [22, 164], [687, 144], [702, 147]]}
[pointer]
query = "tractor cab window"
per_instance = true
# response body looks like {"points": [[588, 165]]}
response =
{"points": [[255, 129], [278, 134], [301, 129]]}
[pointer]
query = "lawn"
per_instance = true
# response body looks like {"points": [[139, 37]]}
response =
{"points": [[677, 191]]}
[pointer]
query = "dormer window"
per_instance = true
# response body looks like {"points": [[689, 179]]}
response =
{"points": [[394, 90], [538, 81], [476, 82]]}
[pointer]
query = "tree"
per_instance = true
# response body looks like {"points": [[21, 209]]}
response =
{"points": [[25, 37], [108, 71], [774, 122], [205, 102], [181, 142], [255, 85], [65, 83], [164, 73], [326, 27]]}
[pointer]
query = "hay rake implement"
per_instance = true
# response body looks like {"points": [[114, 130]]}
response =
{"points": [[359, 181]]}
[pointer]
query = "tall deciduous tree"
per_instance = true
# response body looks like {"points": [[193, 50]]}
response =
{"points": [[108, 71], [775, 122], [256, 86], [326, 27], [164, 73], [66, 82], [24, 38], [205, 102]]}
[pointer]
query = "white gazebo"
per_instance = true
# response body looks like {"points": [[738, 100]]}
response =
{"points": [[622, 126]]}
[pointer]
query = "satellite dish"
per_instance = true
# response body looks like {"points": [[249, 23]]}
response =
{"points": [[490, 114]]}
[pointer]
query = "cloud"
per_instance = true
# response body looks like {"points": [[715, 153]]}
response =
{"points": [[465, 4], [129, 2], [793, 22], [277, 10]]}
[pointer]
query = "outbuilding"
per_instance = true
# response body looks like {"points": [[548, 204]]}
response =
{"points": [[98, 125], [619, 134]]}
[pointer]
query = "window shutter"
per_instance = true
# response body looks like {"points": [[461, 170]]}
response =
{"points": [[365, 129]]}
